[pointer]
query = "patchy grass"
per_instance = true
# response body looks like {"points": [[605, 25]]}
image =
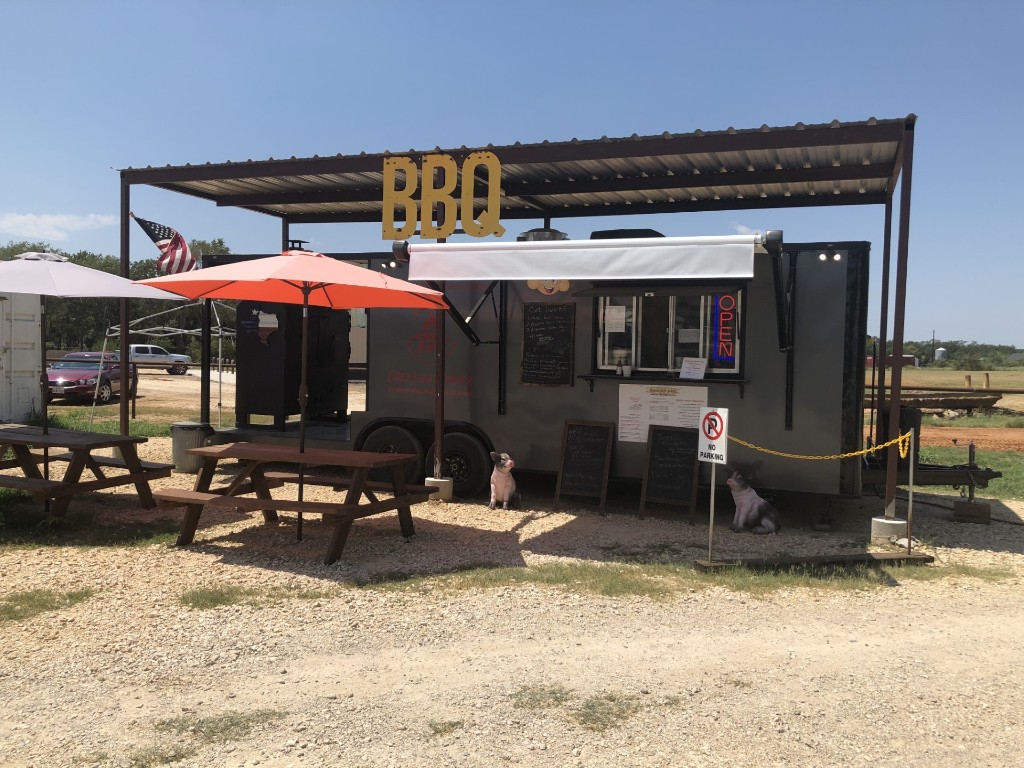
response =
{"points": [[604, 711], [206, 598], [23, 523], [20, 606], [1011, 378], [106, 419], [596, 713], [147, 757], [217, 729], [613, 580], [192, 732], [739, 682], [980, 418], [665, 581], [443, 727], [92, 758], [541, 696], [1009, 486]]}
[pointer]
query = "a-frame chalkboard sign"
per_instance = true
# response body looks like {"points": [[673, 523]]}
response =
{"points": [[586, 459], [671, 468]]}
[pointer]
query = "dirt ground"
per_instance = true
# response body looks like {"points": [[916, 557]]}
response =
{"points": [[326, 673]]}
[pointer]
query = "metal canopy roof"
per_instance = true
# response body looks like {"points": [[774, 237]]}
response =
{"points": [[855, 163], [852, 163]]}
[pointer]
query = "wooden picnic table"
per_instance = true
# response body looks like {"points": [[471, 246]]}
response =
{"points": [[79, 451], [258, 473]]}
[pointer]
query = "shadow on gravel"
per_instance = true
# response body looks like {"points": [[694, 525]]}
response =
{"points": [[375, 548], [89, 523], [812, 526]]}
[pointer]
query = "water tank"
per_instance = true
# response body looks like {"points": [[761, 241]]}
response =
{"points": [[940, 354]]}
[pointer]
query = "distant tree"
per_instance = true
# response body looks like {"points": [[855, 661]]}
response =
{"points": [[188, 315], [12, 249], [201, 248], [76, 323]]}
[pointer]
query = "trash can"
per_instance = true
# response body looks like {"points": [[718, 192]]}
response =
{"points": [[185, 435]]}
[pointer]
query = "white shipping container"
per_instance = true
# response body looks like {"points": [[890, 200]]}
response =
{"points": [[19, 356]]}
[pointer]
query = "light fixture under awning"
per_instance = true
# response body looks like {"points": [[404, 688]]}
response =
{"points": [[657, 258]]}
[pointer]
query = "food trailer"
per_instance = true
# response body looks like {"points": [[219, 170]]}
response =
{"points": [[778, 338], [635, 331]]}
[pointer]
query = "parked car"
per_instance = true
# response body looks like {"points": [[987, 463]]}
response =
{"points": [[152, 354], [83, 375]]}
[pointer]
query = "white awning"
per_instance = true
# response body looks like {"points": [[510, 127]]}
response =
{"points": [[654, 258]]}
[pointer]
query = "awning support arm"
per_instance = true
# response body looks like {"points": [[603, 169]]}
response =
{"points": [[460, 323], [400, 250]]}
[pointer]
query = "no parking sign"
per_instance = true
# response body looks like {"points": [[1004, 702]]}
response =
{"points": [[713, 445]]}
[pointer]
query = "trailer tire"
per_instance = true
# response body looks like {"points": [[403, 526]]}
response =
{"points": [[395, 439], [465, 461]]}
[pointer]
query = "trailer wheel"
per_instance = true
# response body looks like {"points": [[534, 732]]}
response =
{"points": [[395, 439], [465, 461]]}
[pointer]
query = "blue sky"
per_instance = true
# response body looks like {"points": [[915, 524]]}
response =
{"points": [[91, 88]]}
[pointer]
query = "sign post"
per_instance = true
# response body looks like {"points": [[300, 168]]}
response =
{"points": [[713, 447]]}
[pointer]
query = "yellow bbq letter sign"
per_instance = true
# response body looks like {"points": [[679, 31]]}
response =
{"points": [[400, 201]]}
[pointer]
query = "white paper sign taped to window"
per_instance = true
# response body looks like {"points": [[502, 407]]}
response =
{"points": [[614, 319], [693, 368]]}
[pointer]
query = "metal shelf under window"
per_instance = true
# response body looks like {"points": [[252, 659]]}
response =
{"points": [[654, 378]]}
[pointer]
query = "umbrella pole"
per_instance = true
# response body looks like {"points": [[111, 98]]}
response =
{"points": [[303, 397], [44, 391], [44, 381]]}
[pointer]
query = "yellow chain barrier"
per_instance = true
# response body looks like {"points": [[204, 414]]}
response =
{"points": [[902, 440]]}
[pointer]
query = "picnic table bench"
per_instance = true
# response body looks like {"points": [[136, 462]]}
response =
{"points": [[79, 454], [254, 476]]}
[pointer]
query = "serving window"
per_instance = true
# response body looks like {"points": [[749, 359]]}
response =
{"points": [[653, 331]]}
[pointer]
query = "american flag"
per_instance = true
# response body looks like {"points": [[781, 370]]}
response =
{"points": [[174, 253]]}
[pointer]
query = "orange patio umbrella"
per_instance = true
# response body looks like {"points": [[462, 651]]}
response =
{"points": [[306, 278]]}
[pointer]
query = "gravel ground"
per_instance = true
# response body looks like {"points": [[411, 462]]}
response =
{"points": [[919, 673]]}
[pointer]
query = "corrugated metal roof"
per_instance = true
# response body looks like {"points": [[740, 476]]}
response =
{"points": [[836, 163]]}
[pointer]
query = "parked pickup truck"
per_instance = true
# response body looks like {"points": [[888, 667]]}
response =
{"points": [[150, 354]]}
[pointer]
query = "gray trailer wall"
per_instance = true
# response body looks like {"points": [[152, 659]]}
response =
{"points": [[400, 382]]}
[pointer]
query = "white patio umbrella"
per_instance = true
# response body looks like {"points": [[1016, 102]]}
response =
{"points": [[49, 274]]}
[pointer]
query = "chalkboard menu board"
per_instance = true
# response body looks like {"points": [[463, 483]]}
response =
{"points": [[670, 472], [548, 336], [586, 457]]}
